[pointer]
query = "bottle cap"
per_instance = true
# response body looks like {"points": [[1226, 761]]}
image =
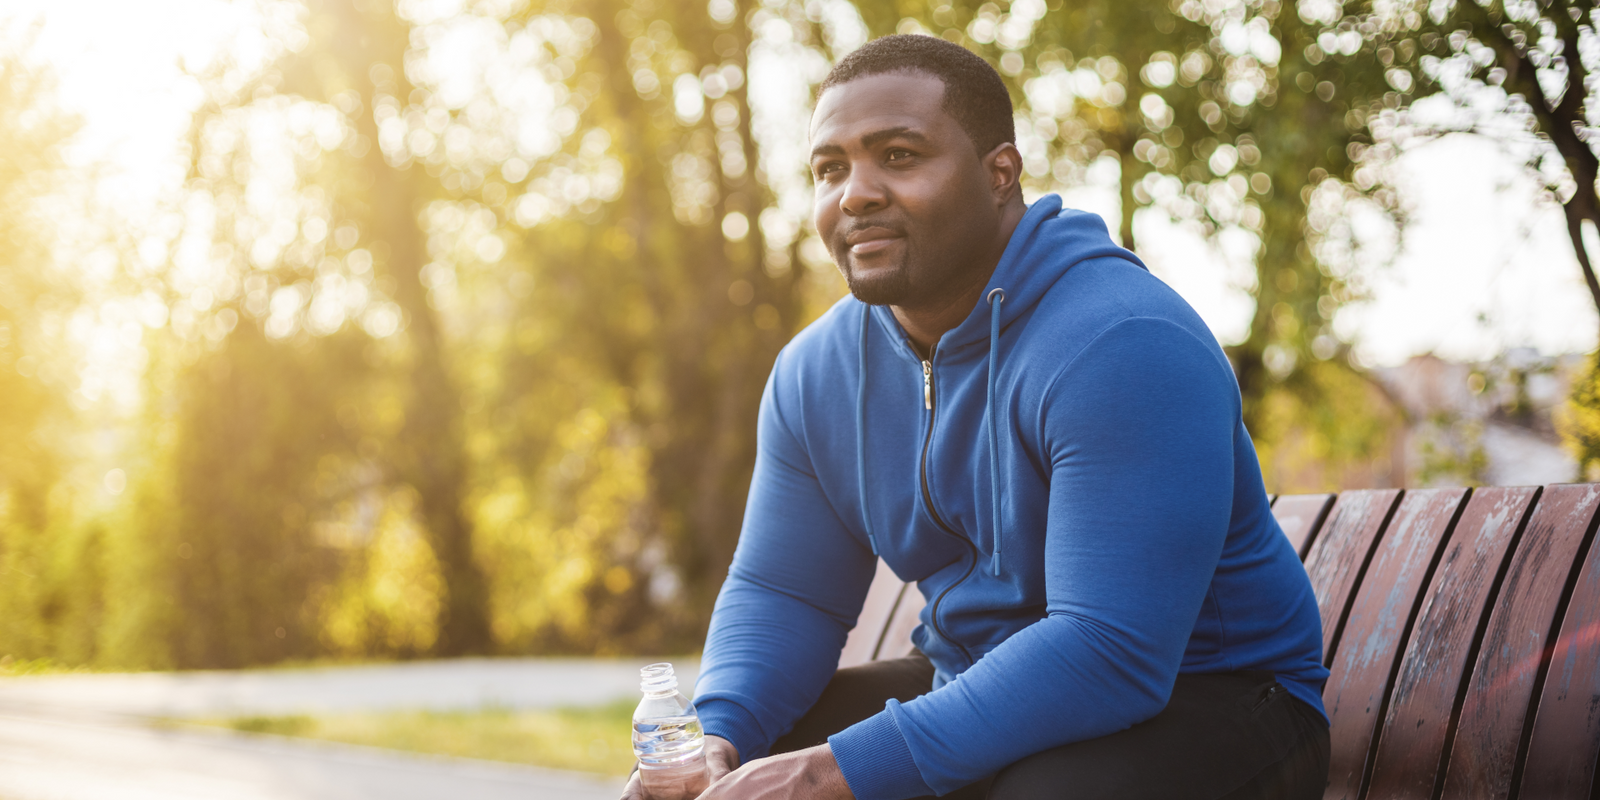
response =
{"points": [[657, 678]]}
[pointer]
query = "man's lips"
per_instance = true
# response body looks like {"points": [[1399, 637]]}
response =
{"points": [[871, 240]]}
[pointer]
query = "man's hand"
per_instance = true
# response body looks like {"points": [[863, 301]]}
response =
{"points": [[721, 758], [811, 773]]}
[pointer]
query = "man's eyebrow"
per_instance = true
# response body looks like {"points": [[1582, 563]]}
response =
{"points": [[871, 140], [827, 150], [902, 132]]}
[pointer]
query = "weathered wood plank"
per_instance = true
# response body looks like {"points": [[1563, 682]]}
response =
{"points": [[882, 598], [1566, 726], [1300, 516], [1483, 756], [1340, 553], [1379, 619], [1427, 690], [897, 636]]}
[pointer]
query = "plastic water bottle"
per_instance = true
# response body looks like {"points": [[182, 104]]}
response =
{"points": [[666, 730]]}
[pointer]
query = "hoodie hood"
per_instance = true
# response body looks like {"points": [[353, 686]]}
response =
{"points": [[1048, 241]]}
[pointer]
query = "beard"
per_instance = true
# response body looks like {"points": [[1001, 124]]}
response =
{"points": [[913, 280], [890, 284], [889, 287]]}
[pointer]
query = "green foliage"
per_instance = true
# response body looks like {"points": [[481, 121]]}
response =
{"points": [[462, 352], [257, 456], [292, 725], [1308, 439], [1580, 422], [49, 545], [1452, 452]]}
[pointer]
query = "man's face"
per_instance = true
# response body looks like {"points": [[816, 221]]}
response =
{"points": [[903, 200]]}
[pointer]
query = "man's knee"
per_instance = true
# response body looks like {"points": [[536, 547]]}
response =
{"points": [[1222, 737]]}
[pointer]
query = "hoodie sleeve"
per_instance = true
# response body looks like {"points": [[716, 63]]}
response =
{"points": [[793, 592], [1138, 434]]}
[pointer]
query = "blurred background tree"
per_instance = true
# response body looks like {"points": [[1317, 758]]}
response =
{"points": [[455, 332], [46, 609], [1516, 73]]}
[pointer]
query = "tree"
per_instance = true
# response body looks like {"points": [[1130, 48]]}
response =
{"points": [[680, 301], [43, 541], [1519, 73], [612, 407]]}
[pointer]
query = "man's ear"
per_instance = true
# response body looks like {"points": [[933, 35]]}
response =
{"points": [[1004, 165]]}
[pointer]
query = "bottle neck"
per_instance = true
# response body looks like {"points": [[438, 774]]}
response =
{"points": [[658, 680]]}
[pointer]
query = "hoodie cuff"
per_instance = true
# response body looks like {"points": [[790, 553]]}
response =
{"points": [[731, 721], [875, 760]]}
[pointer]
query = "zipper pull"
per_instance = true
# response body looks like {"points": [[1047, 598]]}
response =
{"points": [[927, 385]]}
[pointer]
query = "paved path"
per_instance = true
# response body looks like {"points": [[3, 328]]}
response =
{"points": [[438, 685], [51, 759], [96, 737]]}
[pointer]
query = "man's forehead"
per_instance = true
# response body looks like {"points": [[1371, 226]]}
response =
{"points": [[909, 99]]}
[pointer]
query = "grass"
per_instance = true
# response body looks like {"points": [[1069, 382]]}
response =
{"points": [[592, 739], [11, 667], [14, 667]]}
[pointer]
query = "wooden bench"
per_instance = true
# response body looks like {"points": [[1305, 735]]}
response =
{"points": [[1461, 627]]}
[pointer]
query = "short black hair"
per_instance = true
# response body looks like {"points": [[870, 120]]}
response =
{"points": [[973, 91]]}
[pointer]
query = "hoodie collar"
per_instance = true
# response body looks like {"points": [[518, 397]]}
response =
{"points": [[1048, 241]]}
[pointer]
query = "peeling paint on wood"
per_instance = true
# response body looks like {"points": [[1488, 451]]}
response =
{"points": [[1484, 754], [1340, 551], [1429, 683], [1375, 631], [1566, 728], [1373, 605], [1300, 516]]}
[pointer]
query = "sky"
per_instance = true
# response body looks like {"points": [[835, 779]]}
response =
{"points": [[1485, 264]]}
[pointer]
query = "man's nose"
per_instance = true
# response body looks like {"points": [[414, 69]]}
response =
{"points": [[863, 194]]}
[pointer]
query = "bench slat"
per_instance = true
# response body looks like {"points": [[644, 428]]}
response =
{"points": [[1566, 728], [882, 598], [1300, 516], [1427, 690], [897, 634], [1484, 755], [1379, 620], [1340, 553]]}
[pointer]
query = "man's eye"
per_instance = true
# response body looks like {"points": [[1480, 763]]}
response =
{"points": [[899, 155], [828, 169]]}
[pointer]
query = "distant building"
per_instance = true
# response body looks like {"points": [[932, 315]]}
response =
{"points": [[1489, 423]]}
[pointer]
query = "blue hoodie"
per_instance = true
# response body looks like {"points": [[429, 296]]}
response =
{"points": [[1069, 482]]}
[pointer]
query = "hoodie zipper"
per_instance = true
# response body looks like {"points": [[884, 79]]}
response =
{"points": [[927, 500]]}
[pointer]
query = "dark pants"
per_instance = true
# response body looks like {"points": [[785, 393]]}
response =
{"points": [[1233, 735]]}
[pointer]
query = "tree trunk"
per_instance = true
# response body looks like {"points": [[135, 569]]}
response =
{"points": [[431, 455]]}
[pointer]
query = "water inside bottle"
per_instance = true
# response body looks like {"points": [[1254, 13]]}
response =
{"points": [[667, 741]]}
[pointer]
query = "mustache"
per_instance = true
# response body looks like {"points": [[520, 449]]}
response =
{"points": [[843, 233]]}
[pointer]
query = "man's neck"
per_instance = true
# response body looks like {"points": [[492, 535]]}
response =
{"points": [[927, 322]]}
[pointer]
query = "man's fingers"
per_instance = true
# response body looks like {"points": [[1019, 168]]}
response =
{"points": [[634, 790], [721, 757]]}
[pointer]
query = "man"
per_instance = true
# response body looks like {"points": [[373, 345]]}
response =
{"points": [[1012, 412]]}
